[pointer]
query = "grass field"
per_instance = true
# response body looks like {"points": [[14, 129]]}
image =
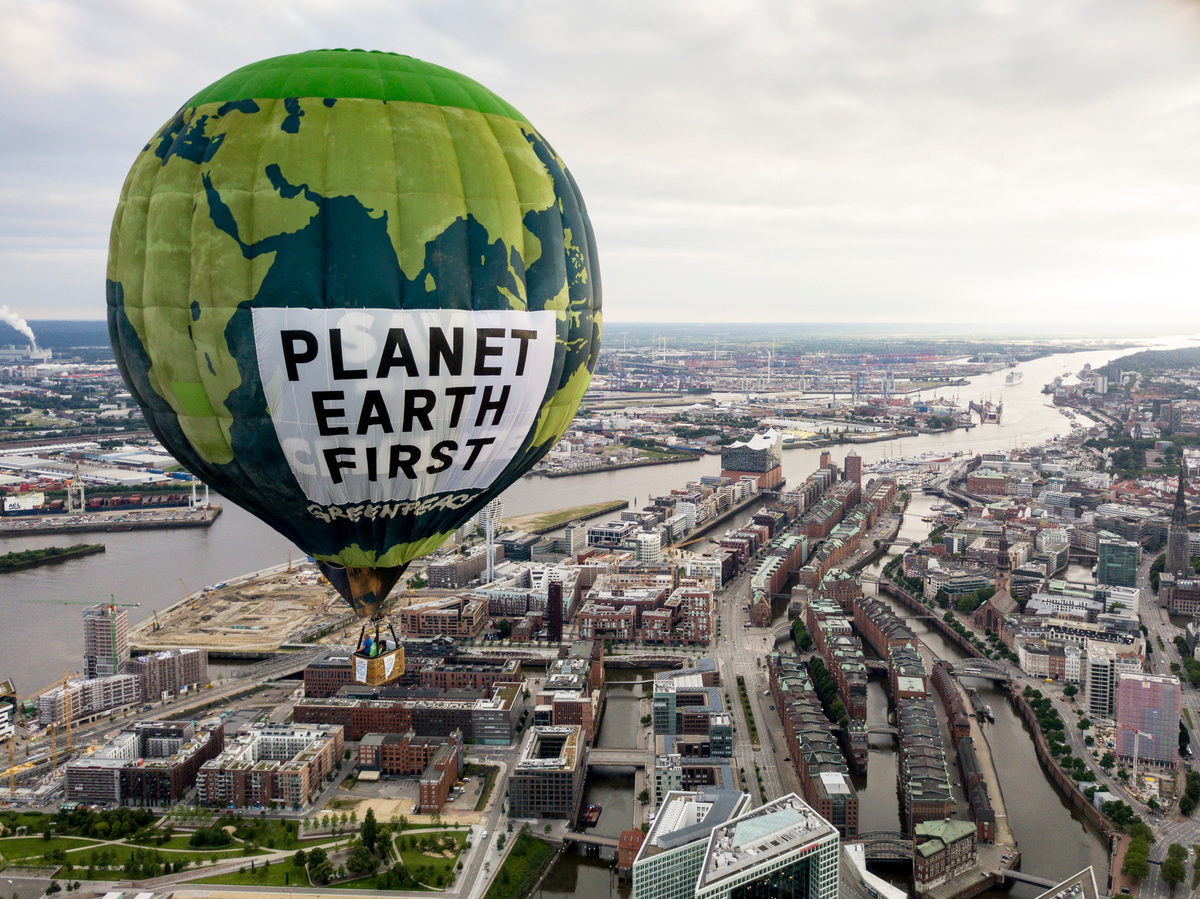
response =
{"points": [[371, 883], [488, 773], [279, 874], [35, 847], [427, 868], [525, 863], [547, 521]]}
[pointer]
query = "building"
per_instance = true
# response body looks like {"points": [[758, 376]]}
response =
{"points": [[1103, 669], [463, 617], [1179, 561], [88, 698], [152, 763], [668, 863], [438, 762], [488, 717], [270, 765], [760, 457], [105, 640], [783, 849], [554, 611], [941, 851], [853, 467], [1148, 709], [1117, 561], [1079, 886], [547, 781], [169, 672]]}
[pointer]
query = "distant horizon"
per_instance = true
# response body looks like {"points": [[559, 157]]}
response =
{"points": [[93, 333]]}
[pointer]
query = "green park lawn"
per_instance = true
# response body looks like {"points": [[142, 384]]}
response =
{"points": [[279, 874], [35, 847], [425, 868]]}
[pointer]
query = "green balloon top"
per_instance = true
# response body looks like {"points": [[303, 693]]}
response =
{"points": [[354, 74]]}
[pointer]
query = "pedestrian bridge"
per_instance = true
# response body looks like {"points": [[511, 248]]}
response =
{"points": [[886, 845], [590, 839], [883, 729], [1022, 877], [617, 758], [981, 668]]}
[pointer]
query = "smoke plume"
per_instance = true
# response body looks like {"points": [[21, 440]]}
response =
{"points": [[7, 315]]}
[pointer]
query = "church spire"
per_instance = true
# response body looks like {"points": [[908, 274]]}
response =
{"points": [[1003, 563], [1179, 512], [1178, 551]]}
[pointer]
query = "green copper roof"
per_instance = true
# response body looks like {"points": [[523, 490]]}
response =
{"points": [[358, 74]]}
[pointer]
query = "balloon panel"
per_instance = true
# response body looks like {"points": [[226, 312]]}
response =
{"points": [[359, 316]]}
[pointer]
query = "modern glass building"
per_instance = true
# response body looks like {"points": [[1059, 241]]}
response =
{"points": [[668, 863], [783, 850], [1117, 561]]}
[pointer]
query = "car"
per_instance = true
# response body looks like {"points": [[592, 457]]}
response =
{"points": [[772, 708]]}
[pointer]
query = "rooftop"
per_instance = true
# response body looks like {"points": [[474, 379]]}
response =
{"points": [[780, 826]]}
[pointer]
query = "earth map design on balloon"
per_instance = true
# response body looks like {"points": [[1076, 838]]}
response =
{"points": [[313, 227]]}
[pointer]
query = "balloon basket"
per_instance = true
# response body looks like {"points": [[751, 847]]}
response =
{"points": [[383, 669]]}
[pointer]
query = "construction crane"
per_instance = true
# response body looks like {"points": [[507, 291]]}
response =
{"points": [[65, 684], [78, 602], [12, 768], [1137, 735]]}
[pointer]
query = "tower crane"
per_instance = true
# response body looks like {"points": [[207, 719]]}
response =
{"points": [[1137, 735], [65, 684]]}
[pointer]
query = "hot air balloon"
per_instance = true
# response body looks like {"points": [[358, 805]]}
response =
{"points": [[358, 295]]}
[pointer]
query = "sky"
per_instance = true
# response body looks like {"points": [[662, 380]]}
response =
{"points": [[812, 160]]}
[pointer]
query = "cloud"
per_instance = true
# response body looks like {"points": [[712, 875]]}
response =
{"points": [[922, 160]]}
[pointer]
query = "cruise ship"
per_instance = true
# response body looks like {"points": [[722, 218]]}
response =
{"points": [[1014, 377]]}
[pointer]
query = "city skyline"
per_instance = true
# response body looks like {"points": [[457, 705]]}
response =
{"points": [[823, 163]]}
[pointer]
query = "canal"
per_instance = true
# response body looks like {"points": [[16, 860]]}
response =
{"points": [[613, 788], [1036, 810]]}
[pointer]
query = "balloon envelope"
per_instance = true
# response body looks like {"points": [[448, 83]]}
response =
{"points": [[357, 294]]}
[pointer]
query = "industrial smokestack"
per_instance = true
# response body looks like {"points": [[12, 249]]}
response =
{"points": [[7, 315]]}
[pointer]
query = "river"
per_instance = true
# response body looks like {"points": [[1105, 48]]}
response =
{"points": [[40, 625], [41, 629]]}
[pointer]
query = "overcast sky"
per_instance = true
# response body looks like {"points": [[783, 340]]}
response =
{"points": [[823, 160]]}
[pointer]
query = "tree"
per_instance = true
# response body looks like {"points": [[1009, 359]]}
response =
{"points": [[1070, 690], [361, 861], [644, 796], [370, 830], [504, 627], [300, 859], [1174, 868]]}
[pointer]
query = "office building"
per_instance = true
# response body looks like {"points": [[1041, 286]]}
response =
{"points": [[1148, 708], [783, 849], [1117, 561], [668, 863], [547, 781], [105, 640]]}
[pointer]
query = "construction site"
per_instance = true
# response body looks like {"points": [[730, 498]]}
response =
{"points": [[254, 614]]}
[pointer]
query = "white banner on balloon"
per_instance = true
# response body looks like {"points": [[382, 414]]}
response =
{"points": [[387, 405], [389, 664], [360, 670]]}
